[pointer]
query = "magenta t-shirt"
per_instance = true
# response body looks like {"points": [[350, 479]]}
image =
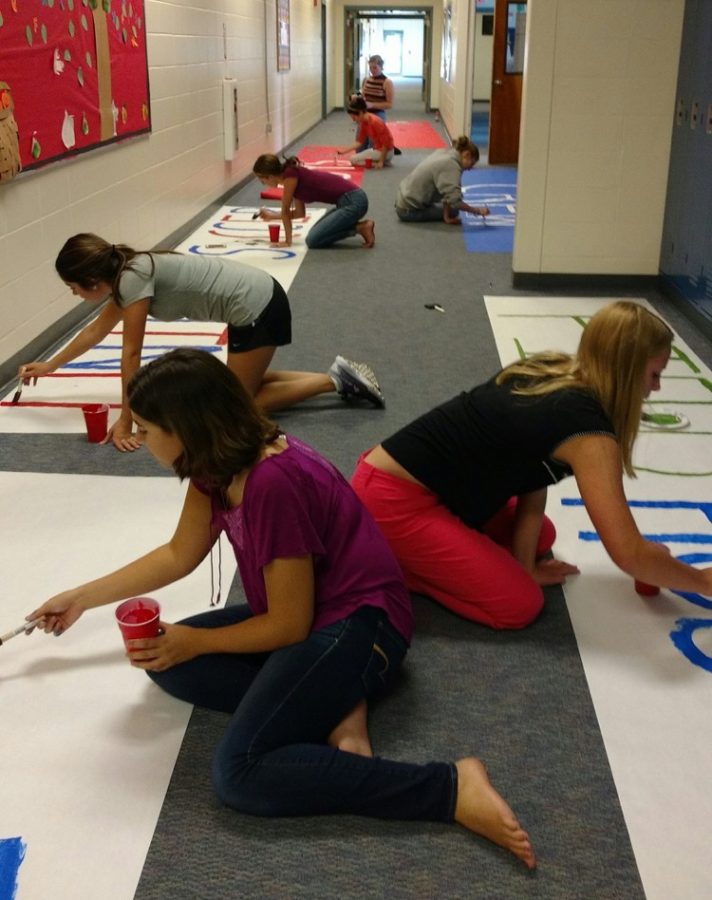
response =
{"points": [[318, 187], [295, 503]]}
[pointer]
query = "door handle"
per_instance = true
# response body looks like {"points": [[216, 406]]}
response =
{"points": [[498, 81]]}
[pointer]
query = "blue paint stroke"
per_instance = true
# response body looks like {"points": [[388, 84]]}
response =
{"points": [[682, 537], [12, 852], [690, 596], [682, 639], [114, 365], [704, 508], [257, 227], [277, 254]]}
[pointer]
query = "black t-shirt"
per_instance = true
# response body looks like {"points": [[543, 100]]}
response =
{"points": [[488, 444]]}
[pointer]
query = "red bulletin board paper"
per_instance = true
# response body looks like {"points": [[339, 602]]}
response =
{"points": [[79, 63]]}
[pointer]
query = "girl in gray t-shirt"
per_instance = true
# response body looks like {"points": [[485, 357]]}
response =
{"points": [[172, 286]]}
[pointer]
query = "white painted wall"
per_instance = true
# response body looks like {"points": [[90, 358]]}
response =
{"points": [[482, 75], [146, 188], [412, 50], [597, 116], [456, 95]]}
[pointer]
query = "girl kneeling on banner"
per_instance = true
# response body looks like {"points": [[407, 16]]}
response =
{"points": [[172, 286], [302, 185], [460, 492]]}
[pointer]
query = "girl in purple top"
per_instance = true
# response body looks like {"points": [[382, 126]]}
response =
{"points": [[327, 623], [301, 185]]}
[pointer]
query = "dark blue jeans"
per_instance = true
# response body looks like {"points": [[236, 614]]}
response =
{"points": [[340, 222], [273, 759]]}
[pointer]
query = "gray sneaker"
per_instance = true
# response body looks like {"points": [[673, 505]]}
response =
{"points": [[356, 380], [364, 370]]}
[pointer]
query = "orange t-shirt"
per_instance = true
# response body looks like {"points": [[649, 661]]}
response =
{"points": [[376, 131]]}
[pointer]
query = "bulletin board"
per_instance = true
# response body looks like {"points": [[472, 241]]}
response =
{"points": [[77, 74]]}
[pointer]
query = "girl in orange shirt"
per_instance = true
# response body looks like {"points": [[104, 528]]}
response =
{"points": [[375, 130]]}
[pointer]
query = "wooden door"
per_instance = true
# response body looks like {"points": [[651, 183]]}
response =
{"points": [[507, 76]]}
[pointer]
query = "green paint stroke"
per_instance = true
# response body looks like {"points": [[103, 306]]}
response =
{"points": [[681, 356]]}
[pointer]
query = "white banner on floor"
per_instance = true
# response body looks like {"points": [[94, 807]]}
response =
{"points": [[233, 232], [88, 742], [53, 405], [648, 661]]}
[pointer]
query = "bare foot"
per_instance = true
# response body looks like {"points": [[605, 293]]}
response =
{"points": [[367, 230], [481, 809], [351, 734]]}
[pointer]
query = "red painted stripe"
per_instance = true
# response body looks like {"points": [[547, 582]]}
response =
{"points": [[82, 375], [175, 333], [63, 405]]}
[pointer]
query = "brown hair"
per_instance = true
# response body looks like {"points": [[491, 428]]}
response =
{"points": [[269, 164], [464, 144], [191, 394], [86, 259], [356, 105], [615, 347]]}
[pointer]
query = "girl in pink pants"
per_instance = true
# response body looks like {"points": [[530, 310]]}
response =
{"points": [[460, 492]]}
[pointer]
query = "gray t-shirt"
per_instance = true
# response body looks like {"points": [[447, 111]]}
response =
{"points": [[202, 288], [435, 179]]}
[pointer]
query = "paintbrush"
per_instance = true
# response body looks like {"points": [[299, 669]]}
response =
{"points": [[18, 393], [26, 626]]}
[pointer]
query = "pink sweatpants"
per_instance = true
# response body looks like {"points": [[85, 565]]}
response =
{"points": [[471, 573]]}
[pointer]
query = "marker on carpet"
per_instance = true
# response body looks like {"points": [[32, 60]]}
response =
{"points": [[435, 306], [26, 626]]}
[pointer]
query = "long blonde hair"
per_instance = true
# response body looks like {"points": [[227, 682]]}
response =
{"points": [[616, 345]]}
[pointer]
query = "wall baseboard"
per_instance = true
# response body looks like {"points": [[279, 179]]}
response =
{"points": [[538, 281]]}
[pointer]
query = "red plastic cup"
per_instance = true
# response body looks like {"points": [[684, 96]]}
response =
{"points": [[96, 418], [138, 618], [646, 590], [368, 162], [274, 234]]}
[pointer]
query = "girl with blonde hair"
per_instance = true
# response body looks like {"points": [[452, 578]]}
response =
{"points": [[460, 492]]}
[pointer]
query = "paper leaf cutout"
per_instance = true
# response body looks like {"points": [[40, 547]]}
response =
{"points": [[68, 137]]}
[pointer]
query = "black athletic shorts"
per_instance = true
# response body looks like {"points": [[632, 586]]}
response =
{"points": [[272, 328]]}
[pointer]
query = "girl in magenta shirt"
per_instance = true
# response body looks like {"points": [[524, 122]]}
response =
{"points": [[301, 185], [326, 625]]}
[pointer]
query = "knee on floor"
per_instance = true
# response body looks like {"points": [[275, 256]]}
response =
{"points": [[229, 778], [520, 611]]}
